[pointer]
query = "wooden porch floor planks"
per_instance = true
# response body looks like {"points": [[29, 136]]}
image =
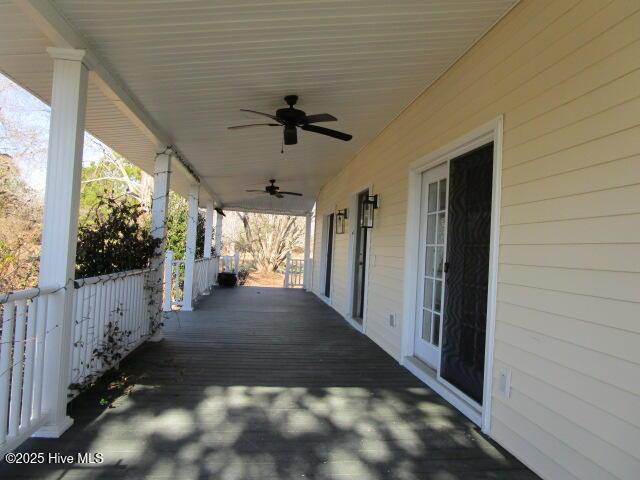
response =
{"points": [[263, 383]]}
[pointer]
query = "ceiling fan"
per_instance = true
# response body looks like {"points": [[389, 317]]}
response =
{"points": [[292, 118], [274, 191]]}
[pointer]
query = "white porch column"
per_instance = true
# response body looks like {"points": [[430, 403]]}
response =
{"points": [[190, 251], [218, 245], [307, 253], [208, 231], [159, 206], [60, 228]]}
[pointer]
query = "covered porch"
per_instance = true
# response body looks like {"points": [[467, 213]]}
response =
{"points": [[269, 383]]}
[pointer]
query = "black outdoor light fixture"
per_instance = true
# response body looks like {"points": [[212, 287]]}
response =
{"points": [[341, 216], [368, 206]]}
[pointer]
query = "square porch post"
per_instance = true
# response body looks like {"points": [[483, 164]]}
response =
{"points": [[60, 229], [307, 253], [218, 244], [208, 231], [190, 251], [159, 207]]}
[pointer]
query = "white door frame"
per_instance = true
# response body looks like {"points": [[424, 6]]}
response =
{"points": [[489, 132], [323, 254], [353, 225]]}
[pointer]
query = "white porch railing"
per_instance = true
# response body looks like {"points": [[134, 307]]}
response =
{"points": [[204, 276], [230, 263], [293, 272], [201, 282], [110, 319], [24, 320], [176, 284]]}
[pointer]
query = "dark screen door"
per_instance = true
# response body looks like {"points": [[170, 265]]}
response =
{"points": [[467, 271], [327, 278], [360, 261]]}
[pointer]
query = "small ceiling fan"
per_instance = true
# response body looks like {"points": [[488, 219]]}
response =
{"points": [[292, 118], [274, 190]]}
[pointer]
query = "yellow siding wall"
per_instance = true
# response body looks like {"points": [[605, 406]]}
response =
{"points": [[566, 76]]}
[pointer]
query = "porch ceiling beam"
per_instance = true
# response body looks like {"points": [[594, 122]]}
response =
{"points": [[270, 211]]}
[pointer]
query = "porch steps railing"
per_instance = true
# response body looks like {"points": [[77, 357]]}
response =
{"points": [[24, 320], [293, 272]]}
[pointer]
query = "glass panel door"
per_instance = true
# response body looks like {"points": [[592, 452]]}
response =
{"points": [[433, 234]]}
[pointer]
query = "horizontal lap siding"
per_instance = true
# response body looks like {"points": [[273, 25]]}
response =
{"points": [[566, 77]]}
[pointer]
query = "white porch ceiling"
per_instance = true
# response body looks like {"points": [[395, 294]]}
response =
{"points": [[191, 65]]}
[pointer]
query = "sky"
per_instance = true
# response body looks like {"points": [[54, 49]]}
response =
{"points": [[24, 133]]}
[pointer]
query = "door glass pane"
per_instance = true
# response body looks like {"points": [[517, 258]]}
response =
{"points": [[433, 197], [439, 251], [426, 325], [428, 292], [442, 194], [440, 239], [428, 267], [436, 329], [431, 228], [438, 296]]}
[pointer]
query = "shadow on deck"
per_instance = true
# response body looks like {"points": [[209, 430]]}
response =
{"points": [[264, 383]]}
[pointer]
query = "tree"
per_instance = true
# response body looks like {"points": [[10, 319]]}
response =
{"points": [[20, 229], [113, 176], [269, 238], [115, 237], [177, 227]]}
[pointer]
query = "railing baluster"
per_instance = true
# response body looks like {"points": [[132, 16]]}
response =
{"points": [[95, 317], [41, 329], [8, 317], [30, 348], [77, 333], [18, 366]]}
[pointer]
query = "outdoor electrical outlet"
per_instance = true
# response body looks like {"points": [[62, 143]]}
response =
{"points": [[504, 382], [392, 319]]}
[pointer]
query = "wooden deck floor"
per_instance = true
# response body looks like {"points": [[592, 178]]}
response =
{"points": [[270, 384]]}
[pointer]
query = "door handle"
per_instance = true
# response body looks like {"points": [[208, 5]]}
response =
{"points": [[446, 267]]}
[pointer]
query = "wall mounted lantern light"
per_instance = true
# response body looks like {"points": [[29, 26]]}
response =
{"points": [[368, 206], [341, 216]]}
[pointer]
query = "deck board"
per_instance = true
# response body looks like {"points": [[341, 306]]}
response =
{"points": [[264, 384]]}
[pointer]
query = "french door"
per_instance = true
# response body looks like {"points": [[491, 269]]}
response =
{"points": [[453, 278], [431, 265]]}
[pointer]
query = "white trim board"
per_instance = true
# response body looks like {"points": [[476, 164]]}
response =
{"points": [[489, 132]]}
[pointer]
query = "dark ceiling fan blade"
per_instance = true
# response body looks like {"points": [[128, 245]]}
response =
{"points": [[255, 191], [268, 115], [278, 195], [327, 131], [320, 117], [290, 136], [237, 127], [291, 193]]}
